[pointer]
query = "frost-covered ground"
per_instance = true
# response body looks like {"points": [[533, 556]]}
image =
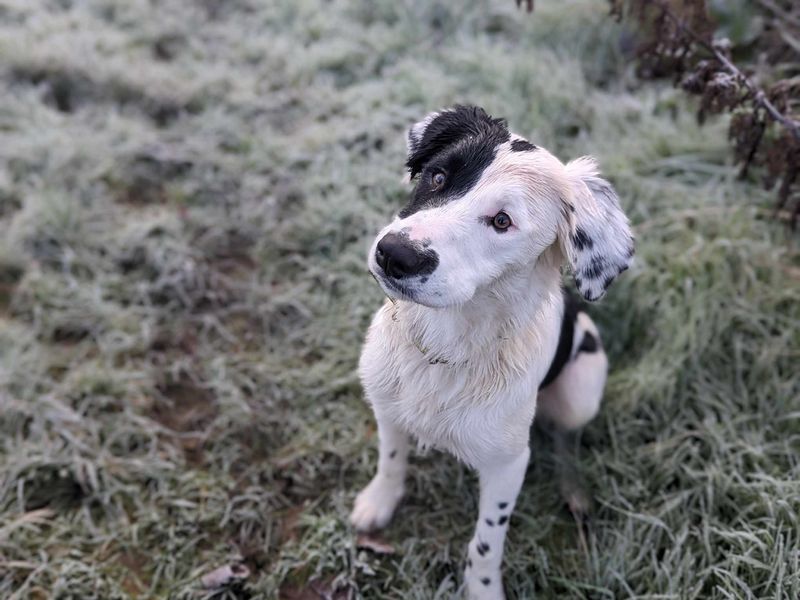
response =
{"points": [[187, 192]]}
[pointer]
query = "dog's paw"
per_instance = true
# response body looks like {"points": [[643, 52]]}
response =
{"points": [[484, 586], [375, 504]]}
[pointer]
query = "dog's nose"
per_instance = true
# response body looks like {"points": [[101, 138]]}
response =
{"points": [[398, 258]]}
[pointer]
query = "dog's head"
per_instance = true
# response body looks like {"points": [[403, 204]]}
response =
{"points": [[488, 201]]}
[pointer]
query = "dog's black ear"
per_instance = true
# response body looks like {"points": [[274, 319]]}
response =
{"points": [[598, 243], [441, 129]]}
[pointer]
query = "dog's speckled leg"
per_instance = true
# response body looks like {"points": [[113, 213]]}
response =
{"points": [[500, 485], [375, 504]]}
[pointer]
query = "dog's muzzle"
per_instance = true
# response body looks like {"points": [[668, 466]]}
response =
{"points": [[400, 258]]}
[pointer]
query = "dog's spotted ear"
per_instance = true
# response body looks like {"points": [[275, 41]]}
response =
{"points": [[441, 129], [598, 240]]}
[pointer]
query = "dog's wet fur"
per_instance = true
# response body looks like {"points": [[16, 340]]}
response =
{"points": [[478, 335]]}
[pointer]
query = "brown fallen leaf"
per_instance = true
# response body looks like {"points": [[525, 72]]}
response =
{"points": [[374, 544]]}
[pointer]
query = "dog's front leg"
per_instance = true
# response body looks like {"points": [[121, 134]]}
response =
{"points": [[375, 503], [500, 484]]}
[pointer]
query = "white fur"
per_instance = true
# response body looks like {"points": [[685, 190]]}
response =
{"points": [[455, 358], [573, 399], [598, 214]]}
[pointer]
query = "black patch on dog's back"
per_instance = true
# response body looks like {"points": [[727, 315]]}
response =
{"points": [[589, 343], [564, 349], [460, 143]]}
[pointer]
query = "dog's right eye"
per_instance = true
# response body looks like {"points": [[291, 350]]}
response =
{"points": [[437, 180], [501, 221]]}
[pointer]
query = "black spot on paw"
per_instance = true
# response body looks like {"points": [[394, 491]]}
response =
{"points": [[581, 240], [469, 563], [393, 453], [486, 581], [490, 523], [502, 520], [502, 505], [522, 146]]}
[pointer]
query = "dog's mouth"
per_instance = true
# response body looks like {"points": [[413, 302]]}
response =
{"points": [[397, 290], [393, 288]]}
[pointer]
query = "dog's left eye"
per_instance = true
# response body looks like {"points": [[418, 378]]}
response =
{"points": [[437, 180], [501, 221]]}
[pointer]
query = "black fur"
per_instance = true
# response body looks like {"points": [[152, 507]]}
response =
{"points": [[581, 240], [490, 523], [486, 581], [596, 267], [460, 143], [522, 146], [502, 505], [589, 344], [564, 349], [502, 520]]}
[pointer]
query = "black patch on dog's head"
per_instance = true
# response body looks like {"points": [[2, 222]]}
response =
{"points": [[522, 146], [460, 143]]}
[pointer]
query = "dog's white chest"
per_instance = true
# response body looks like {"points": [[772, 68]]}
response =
{"points": [[472, 408]]}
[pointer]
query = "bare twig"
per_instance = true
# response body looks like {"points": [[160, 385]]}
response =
{"points": [[528, 5], [759, 96], [779, 12], [679, 39]]}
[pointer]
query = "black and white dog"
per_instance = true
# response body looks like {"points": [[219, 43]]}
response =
{"points": [[478, 336]]}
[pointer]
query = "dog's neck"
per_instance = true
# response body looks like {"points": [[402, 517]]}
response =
{"points": [[500, 319]]}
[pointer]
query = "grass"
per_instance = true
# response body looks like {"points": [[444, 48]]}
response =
{"points": [[186, 197]]}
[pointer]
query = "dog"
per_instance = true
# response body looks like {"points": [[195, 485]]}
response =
{"points": [[477, 334]]}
